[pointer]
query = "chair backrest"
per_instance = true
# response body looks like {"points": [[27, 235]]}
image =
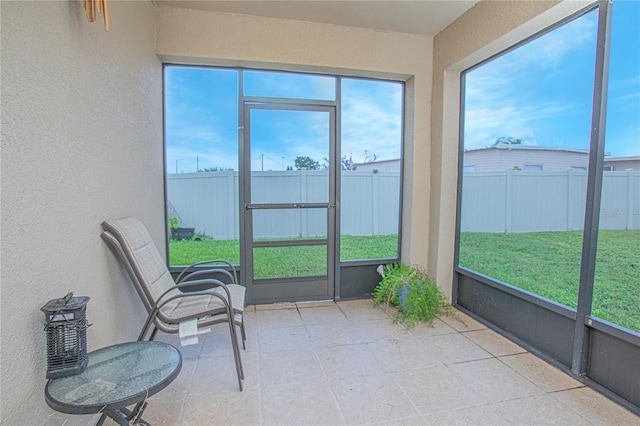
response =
{"points": [[141, 257]]}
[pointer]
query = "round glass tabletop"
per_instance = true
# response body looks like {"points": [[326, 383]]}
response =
{"points": [[115, 377]]}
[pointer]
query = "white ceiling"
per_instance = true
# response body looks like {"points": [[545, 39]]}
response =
{"points": [[427, 17]]}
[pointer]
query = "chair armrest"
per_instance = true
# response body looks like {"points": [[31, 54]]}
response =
{"points": [[226, 302], [193, 275], [194, 266]]}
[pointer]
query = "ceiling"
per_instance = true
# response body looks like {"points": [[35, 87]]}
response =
{"points": [[426, 17]]}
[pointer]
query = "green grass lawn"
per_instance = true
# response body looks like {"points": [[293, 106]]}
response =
{"points": [[284, 261], [545, 263], [548, 264], [187, 252]]}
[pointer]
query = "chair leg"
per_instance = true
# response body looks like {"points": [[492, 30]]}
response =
{"points": [[236, 350], [147, 324], [244, 335]]}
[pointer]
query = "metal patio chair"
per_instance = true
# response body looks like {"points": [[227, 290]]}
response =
{"points": [[194, 293]]}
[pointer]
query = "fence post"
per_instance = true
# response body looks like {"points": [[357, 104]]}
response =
{"points": [[304, 222], [232, 205], [507, 200], [630, 197], [375, 203], [570, 175]]}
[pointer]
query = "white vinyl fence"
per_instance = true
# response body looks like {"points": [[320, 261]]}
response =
{"points": [[209, 203], [507, 201], [522, 201]]}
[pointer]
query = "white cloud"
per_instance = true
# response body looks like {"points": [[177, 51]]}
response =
{"points": [[372, 121], [525, 94]]}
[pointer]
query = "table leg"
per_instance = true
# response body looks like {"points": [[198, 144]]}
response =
{"points": [[101, 420], [124, 417]]}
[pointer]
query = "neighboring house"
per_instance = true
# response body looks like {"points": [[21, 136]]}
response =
{"points": [[518, 157], [381, 166], [620, 164]]}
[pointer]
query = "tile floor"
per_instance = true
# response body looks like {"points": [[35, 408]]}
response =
{"points": [[348, 363]]}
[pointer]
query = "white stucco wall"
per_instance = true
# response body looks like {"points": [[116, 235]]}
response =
{"points": [[81, 142], [196, 37], [485, 30]]}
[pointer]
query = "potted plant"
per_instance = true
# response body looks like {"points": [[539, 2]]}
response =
{"points": [[178, 233], [409, 288]]}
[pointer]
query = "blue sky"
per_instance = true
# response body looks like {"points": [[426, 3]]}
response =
{"points": [[541, 92], [202, 119]]}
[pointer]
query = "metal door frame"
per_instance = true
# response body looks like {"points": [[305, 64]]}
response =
{"points": [[279, 287]]}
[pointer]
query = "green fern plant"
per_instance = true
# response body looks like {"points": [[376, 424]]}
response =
{"points": [[409, 288]]}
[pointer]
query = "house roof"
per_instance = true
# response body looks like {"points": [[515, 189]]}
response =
{"points": [[378, 162], [530, 148], [636, 158]]}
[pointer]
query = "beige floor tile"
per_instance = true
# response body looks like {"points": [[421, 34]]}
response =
{"points": [[164, 411], [250, 368], [437, 328], [315, 304], [250, 319], [418, 420], [436, 389], [389, 309], [380, 329], [362, 310], [538, 410], [534, 410], [251, 344], [217, 342], [275, 306], [453, 348], [479, 415], [55, 418], [546, 376], [335, 334], [279, 339], [371, 399], [278, 368], [222, 408], [309, 403], [596, 408], [251, 332], [356, 303], [349, 361], [322, 314], [250, 315], [494, 343], [219, 373], [402, 354], [493, 381], [277, 318], [462, 322]]}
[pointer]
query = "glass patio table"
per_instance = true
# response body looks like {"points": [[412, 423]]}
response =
{"points": [[115, 377]]}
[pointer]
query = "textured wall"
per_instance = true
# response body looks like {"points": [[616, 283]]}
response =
{"points": [[81, 142], [486, 29], [223, 39]]}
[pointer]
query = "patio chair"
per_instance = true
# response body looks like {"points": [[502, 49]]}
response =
{"points": [[193, 295]]}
